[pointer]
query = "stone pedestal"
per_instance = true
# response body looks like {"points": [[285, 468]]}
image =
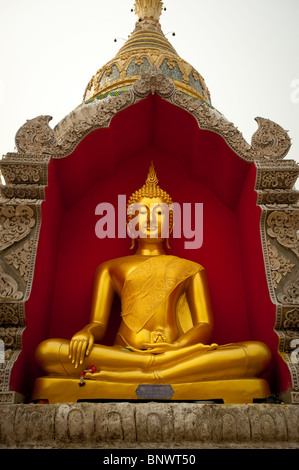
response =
{"points": [[151, 425]]}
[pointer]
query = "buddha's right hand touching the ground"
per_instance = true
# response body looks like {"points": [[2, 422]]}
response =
{"points": [[82, 342]]}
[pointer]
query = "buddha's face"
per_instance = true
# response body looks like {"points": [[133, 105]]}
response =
{"points": [[153, 219]]}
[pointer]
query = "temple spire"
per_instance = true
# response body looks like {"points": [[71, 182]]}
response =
{"points": [[148, 10]]}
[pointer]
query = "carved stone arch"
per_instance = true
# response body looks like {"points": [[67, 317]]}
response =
{"points": [[270, 141], [40, 148]]}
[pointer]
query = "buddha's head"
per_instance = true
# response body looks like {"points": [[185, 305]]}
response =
{"points": [[149, 211]]}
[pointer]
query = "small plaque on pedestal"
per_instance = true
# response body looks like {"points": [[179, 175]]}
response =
{"points": [[155, 392]]}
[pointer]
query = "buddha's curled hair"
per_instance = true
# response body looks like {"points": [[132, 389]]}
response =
{"points": [[150, 189]]}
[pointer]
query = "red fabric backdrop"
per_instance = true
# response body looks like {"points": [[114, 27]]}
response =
{"points": [[193, 166]]}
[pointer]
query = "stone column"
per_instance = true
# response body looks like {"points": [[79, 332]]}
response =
{"points": [[25, 177], [279, 231]]}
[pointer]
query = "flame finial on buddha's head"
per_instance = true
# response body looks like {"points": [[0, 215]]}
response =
{"points": [[150, 189]]}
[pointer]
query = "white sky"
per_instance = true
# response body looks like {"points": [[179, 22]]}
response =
{"points": [[247, 51]]}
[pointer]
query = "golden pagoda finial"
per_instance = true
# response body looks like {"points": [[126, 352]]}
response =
{"points": [[148, 9]]}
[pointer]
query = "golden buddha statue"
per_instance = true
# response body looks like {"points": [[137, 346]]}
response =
{"points": [[165, 331]]}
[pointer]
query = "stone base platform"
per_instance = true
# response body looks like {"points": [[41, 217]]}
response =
{"points": [[149, 425]]}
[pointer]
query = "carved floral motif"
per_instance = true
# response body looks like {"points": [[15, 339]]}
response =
{"points": [[22, 191], [270, 139], [279, 196], [22, 173], [11, 314], [292, 319], [8, 336], [21, 257], [9, 287], [15, 224], [284, 226], [36, 136], [278, 179], [290, 292], [98, 114], [279, 265]]}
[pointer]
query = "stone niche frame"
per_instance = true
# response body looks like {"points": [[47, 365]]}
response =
{"points": [[26, 175]]}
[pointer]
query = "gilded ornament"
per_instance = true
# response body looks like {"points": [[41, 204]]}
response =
{"points": [[148, 41], [148, 9], [196, 75], [171, 64]]}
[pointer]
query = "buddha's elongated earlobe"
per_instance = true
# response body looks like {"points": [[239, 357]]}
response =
{"points": [[167, 244], [130, 235]]}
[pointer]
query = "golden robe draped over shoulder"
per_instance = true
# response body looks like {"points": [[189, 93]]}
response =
{"points": [[148, 285]]}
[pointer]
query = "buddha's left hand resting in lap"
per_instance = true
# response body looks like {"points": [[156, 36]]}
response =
{"points": [[166, 321]]}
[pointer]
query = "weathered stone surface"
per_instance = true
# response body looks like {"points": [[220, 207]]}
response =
{"points": [[149, 425]]}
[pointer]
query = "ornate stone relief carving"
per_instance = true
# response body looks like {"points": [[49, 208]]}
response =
{"points": [[36, 136], [150, 425], [270, 141], [26, 176], [11, 337], [15, 224], [154, 81], [9, 289], [21, 257], [290, 292], [12, 314], [280, 266], [284, 226], [26, 169], [279, 196], [279, 175], [291, 319], [279, 229], [22, 191]]}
